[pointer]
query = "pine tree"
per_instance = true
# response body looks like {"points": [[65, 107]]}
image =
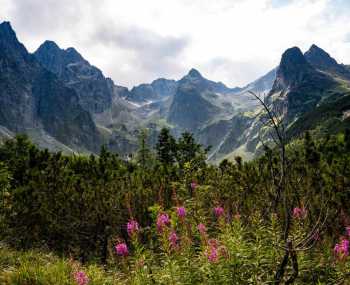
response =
{"points": [[144, 155], [188, 149], [166, 147]]}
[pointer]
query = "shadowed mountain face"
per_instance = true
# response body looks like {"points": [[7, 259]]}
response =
{"points": [[158, 90], [298, 87], [293, 70], [321, 60], [199, 101], [94, 90], [33, 100]]}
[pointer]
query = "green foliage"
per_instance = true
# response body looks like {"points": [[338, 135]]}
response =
{"points": [[166, 147], [78, 206]]}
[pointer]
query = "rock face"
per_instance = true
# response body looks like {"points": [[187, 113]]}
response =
{"points": [[32, 98], [293, 70], [94, 90], [198, 101], [97, 95], [321, 60], [158, 90], [298, 87]]}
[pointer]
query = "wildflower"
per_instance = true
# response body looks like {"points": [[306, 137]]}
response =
{"points": [[341, 250], [162, 221], [219, 211], [181, 212], [122, 249], [299, 213], [81, 278], [173, 238], [212, 254], [202, 229], [132, 228]]}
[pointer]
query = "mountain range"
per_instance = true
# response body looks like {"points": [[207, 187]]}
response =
{"points": [[64, 103]]}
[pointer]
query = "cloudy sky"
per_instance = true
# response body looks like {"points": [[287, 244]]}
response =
{"points": [[135, 41]]}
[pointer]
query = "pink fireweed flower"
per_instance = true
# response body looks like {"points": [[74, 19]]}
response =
{"points": [[81, 278], [173, 238], [341, 250], [212, 254], [181, 212], [162, 221], [299, 213], [202, 229], [132, 227], [219, 211], [193, 185], [122, 249]]}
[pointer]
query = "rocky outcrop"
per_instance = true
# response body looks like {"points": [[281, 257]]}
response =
{"points": [[94, 90], [321, 60], [33, 98]]}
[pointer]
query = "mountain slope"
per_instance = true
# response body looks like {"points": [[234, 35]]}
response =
{"points": [[33, 99], [157, 90], [321, 60], [94, 90], [307, 94], [298, 87], [197, 101]]}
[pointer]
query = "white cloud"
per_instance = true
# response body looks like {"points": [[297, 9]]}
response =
{"points": [[233, 41]]}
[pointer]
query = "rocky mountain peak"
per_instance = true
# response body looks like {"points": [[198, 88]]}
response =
{"points": [[292, 69], [319, 58], [293, 58], [74, 55], [6, 30], [11, 48], [51, 54], [8, 38], [50, 46], [94, 90], [194, 73]]}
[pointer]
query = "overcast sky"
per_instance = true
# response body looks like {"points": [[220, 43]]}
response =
{"points": [[233, 41]]}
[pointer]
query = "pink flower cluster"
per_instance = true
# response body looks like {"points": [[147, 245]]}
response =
{"points": [[341, 250], [162, 222], [202, 229], [214, 251], [219, 211], [81, 278], [122, 249], [212, 254], [299, 213], [181, 212], [132, 227], [173, 239]]}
